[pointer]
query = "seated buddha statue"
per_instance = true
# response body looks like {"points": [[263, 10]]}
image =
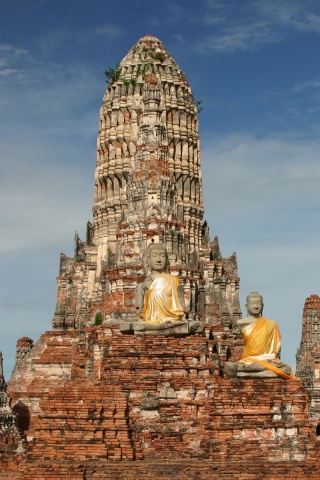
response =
{"points": [[159, 300], [157, 296], [261, 341]]}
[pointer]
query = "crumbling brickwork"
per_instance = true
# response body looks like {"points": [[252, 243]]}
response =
{"points": [[9, 434], [102, 394], [308, 356]]}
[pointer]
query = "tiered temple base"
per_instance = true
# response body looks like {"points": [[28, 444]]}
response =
{"points": [[106, 405]]}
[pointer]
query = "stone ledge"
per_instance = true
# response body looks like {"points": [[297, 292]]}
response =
{"points": [[175, 329]]}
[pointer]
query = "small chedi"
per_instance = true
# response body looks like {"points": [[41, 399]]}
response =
{"points": [[262, 347], [308, 356], [9, 434], [133, 381]]}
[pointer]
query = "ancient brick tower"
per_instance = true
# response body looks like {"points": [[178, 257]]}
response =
{"points": [[148, 188], [308, 355], [8, 432], [95, 403]]}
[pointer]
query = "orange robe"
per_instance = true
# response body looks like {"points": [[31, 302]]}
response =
{"points": [[262, 343], [161, 302]]}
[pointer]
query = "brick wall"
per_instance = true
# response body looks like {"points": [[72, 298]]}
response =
{"points": [[154, 403]]}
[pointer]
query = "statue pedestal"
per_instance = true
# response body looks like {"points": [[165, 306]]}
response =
{"points": [[175, 329], [253, 370]]}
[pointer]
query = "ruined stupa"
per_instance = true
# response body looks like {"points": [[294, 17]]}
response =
{"points": [[148, 188], [99, 403], [308, 356]]}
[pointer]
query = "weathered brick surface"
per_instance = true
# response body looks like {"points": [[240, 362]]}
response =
{"points": [[159, 470], [160, 403], [308, 356], [8, 432]]}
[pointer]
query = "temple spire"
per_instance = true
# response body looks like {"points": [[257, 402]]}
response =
{"points": [[148, 188], [148, 160]]}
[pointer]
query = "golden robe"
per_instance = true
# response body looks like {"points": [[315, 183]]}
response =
{"points": [[161, 302], [262, 345]]}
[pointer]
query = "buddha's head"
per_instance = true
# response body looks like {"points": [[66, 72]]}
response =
{"points": [[254, 304], [157, 257]]}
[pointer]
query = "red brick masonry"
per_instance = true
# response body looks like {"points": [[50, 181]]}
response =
{"points": [[107, 405]]}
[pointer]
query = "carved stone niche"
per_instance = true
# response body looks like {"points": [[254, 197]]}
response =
{"points": [[253, 370], [174, 329]]}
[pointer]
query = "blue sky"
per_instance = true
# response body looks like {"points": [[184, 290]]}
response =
{"points": [[255, 66]]}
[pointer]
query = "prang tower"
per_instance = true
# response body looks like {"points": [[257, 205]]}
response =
{"points": [[148, 188]]}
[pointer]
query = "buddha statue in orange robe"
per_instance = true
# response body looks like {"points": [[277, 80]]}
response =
{"points": [[157, 297], [262, 338]]}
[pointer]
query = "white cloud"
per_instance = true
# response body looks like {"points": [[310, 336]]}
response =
{"points": [[46, 98], [6, 72], [110, 31], [271, 171], [310, 84], [235, 34], [11, 51], [54, 40], [179, 38], [291, 14], [250, 26], [41, 194], [249, 37], [48, 127], [11, 59]]}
